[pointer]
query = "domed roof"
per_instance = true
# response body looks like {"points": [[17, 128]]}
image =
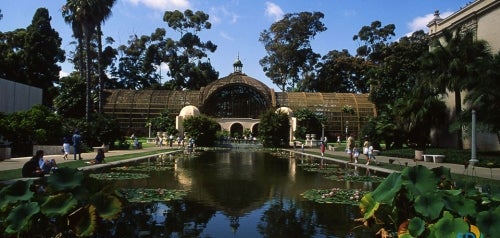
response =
{"points": [[189, 111], [285, 110], [236, 79]]}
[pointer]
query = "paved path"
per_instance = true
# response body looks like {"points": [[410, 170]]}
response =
{"points": [[455, 168], [17, 163]]}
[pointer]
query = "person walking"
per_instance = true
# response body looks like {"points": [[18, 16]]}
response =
{"points": [[66, 146], [77, 144], [351, 143]]}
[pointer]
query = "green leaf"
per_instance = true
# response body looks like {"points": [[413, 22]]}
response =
{"points": [[368, 206], [387, 190], [429, 205], [83, 221], [108, 206], [418, 180], [18, 191], [459, 204], [58, 205], [20, 216], [65, 179], [416, 226], [489, 222], [448, 227]]}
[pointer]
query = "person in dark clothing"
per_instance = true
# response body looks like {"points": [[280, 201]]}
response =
{"points": [[99, 158], [32, 167], [77, 143]]}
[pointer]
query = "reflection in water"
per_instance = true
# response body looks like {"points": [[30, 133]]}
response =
{"points": [[238, 194]]}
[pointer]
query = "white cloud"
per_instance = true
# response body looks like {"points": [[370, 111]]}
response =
{"points": [[63, 74], [420, 23], [163, 4], [274, 11], [217, 14], [226, 36]]}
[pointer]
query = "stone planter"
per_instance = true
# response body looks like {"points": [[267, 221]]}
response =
{"points": [[418, 155], [5, 152]]}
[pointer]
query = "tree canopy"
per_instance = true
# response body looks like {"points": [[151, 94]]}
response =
{"points": [[288, 46]]}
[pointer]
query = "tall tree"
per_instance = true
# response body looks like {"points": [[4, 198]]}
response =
{"points": [[453, 63], [484, 98], [135, 69], [341, 72], [30, 55], [104, 12], [186, 57], [87, 15], [288, 46], [374, 40], [274, 129], [42, 52]]}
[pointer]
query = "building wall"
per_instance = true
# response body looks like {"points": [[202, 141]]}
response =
{"points": [[18, 97], [482, 16]]}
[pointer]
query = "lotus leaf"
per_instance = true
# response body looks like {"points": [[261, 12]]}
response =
{"points": [[144, 167], [118, 176], [18, 191], [83, 221], [59, 204], [368, 206], [429, 205], [151, 195], [65, 179], [489, 222], [387, 190], [418, 180], [107, 205], [20, 216], [459, 204], [416, 226], [448, 227], [335, 195]]}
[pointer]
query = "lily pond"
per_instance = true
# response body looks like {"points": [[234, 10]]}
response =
{"points": [[238, 194]]}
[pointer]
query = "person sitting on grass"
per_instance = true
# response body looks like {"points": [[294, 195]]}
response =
{"points": [[37, 166], [99, 158]]}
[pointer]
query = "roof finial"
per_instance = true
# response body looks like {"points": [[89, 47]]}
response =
{"points": [[238, 66]]}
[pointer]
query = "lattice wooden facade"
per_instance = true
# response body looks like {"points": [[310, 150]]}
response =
{"points": [[134, 107]]}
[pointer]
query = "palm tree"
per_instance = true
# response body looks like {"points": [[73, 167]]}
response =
{"points": [[85, 16], [453, 64]]}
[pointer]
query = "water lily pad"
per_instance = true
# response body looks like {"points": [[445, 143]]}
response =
{"points": [[20, 216], [141, 195], [416, 226], [335, 195], [355, 178], [387, 190], [65, 178], [59, 204], [118, 176], [316, 167], [109, 206], [144, 167], [489, 222], [418, 180], [460, 204], [448, 227], [429, 205], [18, 191], [83, 221]]}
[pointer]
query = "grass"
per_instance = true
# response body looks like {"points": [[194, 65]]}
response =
{"points": [[16, 173]]}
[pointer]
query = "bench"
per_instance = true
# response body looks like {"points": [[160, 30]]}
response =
{"points": [[435, 158]]}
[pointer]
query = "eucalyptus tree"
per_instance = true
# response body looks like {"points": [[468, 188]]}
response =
{"points": [[288, 46], [135, 68], [453, 63], [341, 72], [186, 56]]}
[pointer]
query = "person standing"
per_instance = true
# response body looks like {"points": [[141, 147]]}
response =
{"points": [[366, 145], [351, 143], [77, 144]]}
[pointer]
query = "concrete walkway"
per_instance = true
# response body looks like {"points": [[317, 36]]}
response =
{"points": [[340, 157], [337, 156]]}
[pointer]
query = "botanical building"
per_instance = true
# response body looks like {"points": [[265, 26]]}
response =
{"points": [[236, 102]]}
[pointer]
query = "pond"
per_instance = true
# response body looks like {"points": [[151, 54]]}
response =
{"points": [[239, 194]]}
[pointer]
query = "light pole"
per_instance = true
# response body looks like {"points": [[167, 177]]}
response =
{"points": [[473, 159], [346, 129]]}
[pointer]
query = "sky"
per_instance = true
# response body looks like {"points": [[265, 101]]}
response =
{"points": [[237, 24]]}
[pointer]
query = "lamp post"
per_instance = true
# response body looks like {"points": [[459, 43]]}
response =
{"points": [[346, 129], [473, 159]]}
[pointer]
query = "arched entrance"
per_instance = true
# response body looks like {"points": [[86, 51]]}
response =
{"points": [[236, 130], [255, 130], [235, 101]]}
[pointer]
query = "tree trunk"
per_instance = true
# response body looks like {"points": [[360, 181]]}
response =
{"points": [[87, 76], [458, 111], [99, 66]]}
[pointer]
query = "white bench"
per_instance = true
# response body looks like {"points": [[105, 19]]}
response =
{"points": [[435, 158]]}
